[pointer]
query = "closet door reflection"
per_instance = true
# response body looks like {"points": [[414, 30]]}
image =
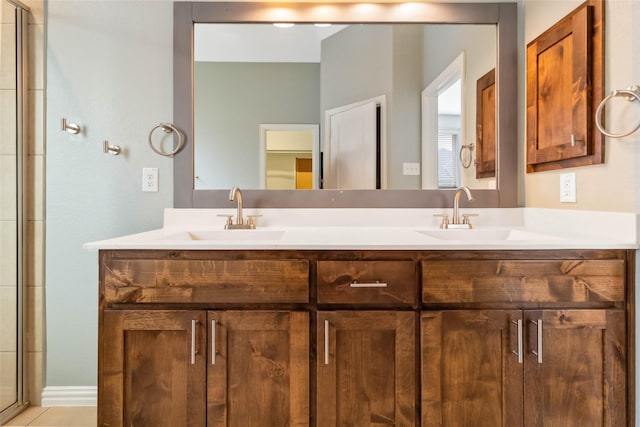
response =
{"points": [[11, 118]]}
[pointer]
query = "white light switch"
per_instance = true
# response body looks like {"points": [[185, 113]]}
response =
{"points": [[410, 168], [150, 180], [568, 188]]}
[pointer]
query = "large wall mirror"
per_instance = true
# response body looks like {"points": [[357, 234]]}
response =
{"points": [[377, 109]]}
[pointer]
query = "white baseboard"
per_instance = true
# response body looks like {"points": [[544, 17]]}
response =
{"points": [[70, 396]]}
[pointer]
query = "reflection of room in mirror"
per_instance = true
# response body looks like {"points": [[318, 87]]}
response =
{"points": [[280, 81], [288, 159]]}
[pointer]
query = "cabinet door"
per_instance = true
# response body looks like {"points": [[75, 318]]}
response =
{"points": [[152, 368], [258, 372], [575, 368], [366, 368], [565, 77], [471, 373]]}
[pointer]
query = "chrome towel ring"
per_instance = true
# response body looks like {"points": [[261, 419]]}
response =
{"points": [[466, 159], [632, 93], [167, 128]]}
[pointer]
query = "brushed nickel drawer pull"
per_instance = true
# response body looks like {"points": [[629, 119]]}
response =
{"points": [[519, 351], [194, 350], [375, 284], [538, 352], [326, 342], [574, 140], [213, 342]]}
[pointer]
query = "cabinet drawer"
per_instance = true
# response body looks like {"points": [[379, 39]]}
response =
{"points": [[506, 281], [206, 281], [367, 282]]}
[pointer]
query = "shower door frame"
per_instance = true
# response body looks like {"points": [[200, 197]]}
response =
{"points": [[21, 226]]}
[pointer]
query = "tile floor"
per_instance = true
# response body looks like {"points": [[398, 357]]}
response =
{"points": [[56, 417]]}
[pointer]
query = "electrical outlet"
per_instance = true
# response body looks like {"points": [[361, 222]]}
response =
{"points": [[150, 180], [410, 168], [568, 188]]}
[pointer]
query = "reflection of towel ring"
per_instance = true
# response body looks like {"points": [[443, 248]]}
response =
{"points": [[466, 161], [632, 94], [167, 128]]}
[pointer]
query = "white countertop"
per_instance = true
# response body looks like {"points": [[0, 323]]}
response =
{"points": [[385, 229]]}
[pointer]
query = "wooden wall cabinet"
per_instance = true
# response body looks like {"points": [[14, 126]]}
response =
{"points": [[565, 83], [486, 125], [393, 338]]}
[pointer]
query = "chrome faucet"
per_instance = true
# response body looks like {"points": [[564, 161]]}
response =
{"points": [[234, 194], [455, 221]]}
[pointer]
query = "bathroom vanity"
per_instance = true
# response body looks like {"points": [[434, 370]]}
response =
{"points": [[287, 330]]}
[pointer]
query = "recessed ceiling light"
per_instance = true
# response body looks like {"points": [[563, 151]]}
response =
{"points": [[284, 24]]}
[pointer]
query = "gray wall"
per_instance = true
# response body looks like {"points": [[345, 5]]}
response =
{"points": [[109, 68], [232, 100], [366, 61], [442, 44]]}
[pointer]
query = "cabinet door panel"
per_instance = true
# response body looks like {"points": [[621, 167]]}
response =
{"points": [[559, 78], [470, 374], [366, 368], [579, 378], [149, 376], [260, 372]]}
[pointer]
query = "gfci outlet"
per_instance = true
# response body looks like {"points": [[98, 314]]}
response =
{"points": [[410, 168], [568, 188], [150, 180]]}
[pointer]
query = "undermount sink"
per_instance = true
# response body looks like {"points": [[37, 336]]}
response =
{"points": [[493, 234], [226, 235]]}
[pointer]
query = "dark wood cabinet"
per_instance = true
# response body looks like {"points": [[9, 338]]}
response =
{"points": [[193, 368], [152, 368], [470, 375], [258, 371], [366, 368], [523, 368], [574, 370], [486, 125], [362, 338], [565, 81]]}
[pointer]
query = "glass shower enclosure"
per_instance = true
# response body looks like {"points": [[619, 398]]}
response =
{"points": [[13, 30]]}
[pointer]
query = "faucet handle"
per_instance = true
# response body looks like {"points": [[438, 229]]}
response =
{"points": [[229, 220], [445, 220], [465, 219], [251, 220]]}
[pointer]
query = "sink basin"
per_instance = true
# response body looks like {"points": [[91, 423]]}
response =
{"points": [[493, 234], [226, 235]]}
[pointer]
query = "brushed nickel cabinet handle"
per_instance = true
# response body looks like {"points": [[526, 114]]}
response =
{"points": [[375, 284], [538, 351], [194, 350], [326, 342], [519, 351], [213, 342]]}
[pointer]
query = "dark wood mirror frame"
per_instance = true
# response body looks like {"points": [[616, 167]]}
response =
{"points": [[503, 15]]}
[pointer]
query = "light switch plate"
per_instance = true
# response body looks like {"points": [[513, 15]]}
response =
{"points": [[410, 168], [568, 188], [150, 180]]}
